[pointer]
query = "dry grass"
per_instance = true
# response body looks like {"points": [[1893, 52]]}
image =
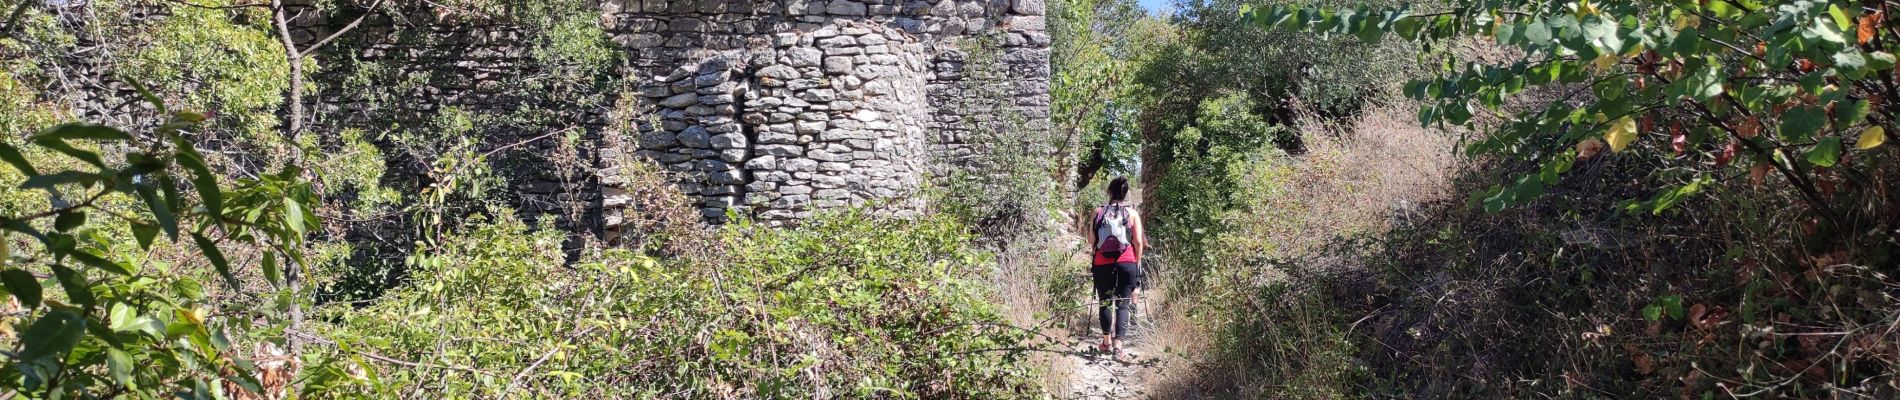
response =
{"points": [[1028, 278], [1357, 178]]}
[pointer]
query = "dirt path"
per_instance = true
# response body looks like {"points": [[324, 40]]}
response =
{"points": [[1097, 375]]}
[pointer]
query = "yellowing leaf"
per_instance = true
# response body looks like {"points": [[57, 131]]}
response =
{"points": [[1870, 138], [1687, 20], [1603, 62], [195, 315], [1621, 133]]}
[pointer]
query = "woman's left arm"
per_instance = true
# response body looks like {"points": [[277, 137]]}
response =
{"points": [[1141, 234]]}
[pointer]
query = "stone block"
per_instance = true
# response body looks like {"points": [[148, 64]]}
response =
{"points": [[681, 100], [696, 137], [1027, 7], [658, 140], [845, 8], [838, 65], [803, 57], [832, 194], [732, 140], [780, 150], [780, 72], [810, 127], [799, 165], [732, 155]]}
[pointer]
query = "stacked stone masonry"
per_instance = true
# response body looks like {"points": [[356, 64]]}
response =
{"points": [[821, 119], [779, 109], [770, 109]]}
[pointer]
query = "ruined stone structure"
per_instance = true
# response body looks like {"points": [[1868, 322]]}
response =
{"points": [[771, 109], [776, 109]]}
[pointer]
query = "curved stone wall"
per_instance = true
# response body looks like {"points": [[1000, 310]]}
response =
{"points": [[774, 110]]}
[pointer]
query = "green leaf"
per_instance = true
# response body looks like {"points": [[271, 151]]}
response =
{"points": [[1707, 82], [1841, 20], [1826, 153], [1537, 34], [1850, 63], [294, 216], [12, 156], [161, 211], [1370, 33], [68, 221], [23, 285], [81, 130], [77, 288], [1850, 113], [61, 178], [203, 180], [1880, 61], [1602, 34], [63, 148], [121, 317], [144, 232], [1672, 304], [271, 273], [216, 257], [1652, 313], [145, 93], [1801, 123], [119, 363], [1408, 27], [100, 263], [51, 337]]}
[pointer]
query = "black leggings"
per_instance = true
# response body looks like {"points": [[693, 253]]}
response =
{"points": [[1114, 285]]}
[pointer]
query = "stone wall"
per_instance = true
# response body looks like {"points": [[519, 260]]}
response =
{"points": [[768, 109], [821, 119], [775, 110]]}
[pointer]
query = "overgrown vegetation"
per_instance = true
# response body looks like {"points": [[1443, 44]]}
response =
{"points": [[1635, 199], [1675, 199], [366, 249]]}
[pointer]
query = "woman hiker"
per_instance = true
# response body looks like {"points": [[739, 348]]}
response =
{"points": [[1118, 242]]}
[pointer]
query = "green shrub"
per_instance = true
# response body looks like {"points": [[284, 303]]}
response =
{"points": [[846, 304]]}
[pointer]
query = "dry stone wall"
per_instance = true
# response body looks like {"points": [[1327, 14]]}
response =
{"points": [[830, 118], [771, 110], [775, 110]]}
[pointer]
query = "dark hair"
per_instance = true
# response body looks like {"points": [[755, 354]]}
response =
{"points": [[1118, 189]]}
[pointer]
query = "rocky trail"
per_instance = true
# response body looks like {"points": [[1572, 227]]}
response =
{"points": [[1098, 375]]}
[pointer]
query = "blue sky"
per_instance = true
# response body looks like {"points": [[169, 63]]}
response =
{"points": [[1154, 5]]}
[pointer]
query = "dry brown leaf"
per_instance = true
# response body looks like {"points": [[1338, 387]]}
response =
{"points": [[1869, 26], [1749, 127], [1728, 153], [1588, 148]]}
